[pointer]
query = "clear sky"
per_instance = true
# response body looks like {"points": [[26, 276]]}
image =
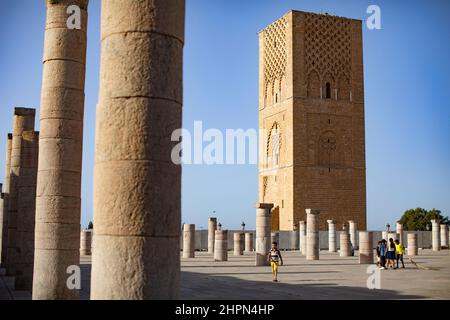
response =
{"points": [[407, 97]]}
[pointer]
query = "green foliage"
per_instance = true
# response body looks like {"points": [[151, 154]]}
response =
{"points": [[90, 225], [418, 219]]}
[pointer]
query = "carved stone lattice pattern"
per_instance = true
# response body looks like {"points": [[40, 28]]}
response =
{"points": [[328, 45], [275, 57]]}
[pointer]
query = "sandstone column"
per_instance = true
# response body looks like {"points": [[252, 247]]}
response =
{"points": [[212, 227], [23, 121], [238, 248], [302, 231], [86, 243], [249, 242], [26, 210], [312, 234], [365, 247], [189, 241], [331, 236], [353, 234], [58, 195], [444, 235], [4, 212], [436, 241], [221, 245], [412, 244], [345, 250], [263, 236], [135, 177], [399, 231]]}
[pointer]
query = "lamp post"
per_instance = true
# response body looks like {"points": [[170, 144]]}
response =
{"points": [[243, 225]]}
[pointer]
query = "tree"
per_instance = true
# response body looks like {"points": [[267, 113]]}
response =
{"points": [[419, 219], [90, 225]]}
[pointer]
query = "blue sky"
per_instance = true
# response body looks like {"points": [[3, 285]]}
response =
{"points": [[407, 97]]}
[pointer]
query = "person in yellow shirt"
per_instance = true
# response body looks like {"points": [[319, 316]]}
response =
{"points": [[399, 250], [274, 258]]}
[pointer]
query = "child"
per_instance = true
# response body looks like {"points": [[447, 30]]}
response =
{"points": [[399, 249], [274, 258]]}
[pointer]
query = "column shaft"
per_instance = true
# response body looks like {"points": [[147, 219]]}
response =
{"points": [[344, 248], [353, 230], [86, 243], [436, 241], [365, 247], [444, 235], [4, 211], [238, 247], [249, 246], [212, 227], [23, 121], [302, 231], [189, 241], [137, 183], [221, 245], [331, 236], [26, 210], [412, 244], [312, 234], [263, 236]]}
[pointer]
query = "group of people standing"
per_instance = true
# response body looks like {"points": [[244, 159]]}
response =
{"points": [[389, 253]]}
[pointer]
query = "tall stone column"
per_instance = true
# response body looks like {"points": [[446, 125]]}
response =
{"points": [[58, 195], [444, 235], [436, 241], [249, 247], [212, 227], [353, 230], [26, 210], [302, 231], [238, 248], [23, 121], [331, 236], [365, 247], [345, 243], [399, 231], [135, 177], [189, 241], [86, 243], [312, 234], [263, 235], [4, 211], [412, 244], [221, 245]]}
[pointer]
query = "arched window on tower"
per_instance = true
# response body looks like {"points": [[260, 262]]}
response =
{"points": [[328, 90]]}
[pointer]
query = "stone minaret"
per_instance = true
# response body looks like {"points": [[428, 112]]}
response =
{"points": [[311, 107]]}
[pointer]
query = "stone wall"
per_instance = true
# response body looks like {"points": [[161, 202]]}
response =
{"points": [[286, 239]]}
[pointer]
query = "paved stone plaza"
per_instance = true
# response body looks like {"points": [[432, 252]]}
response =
{"points": [[331, 277]]}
